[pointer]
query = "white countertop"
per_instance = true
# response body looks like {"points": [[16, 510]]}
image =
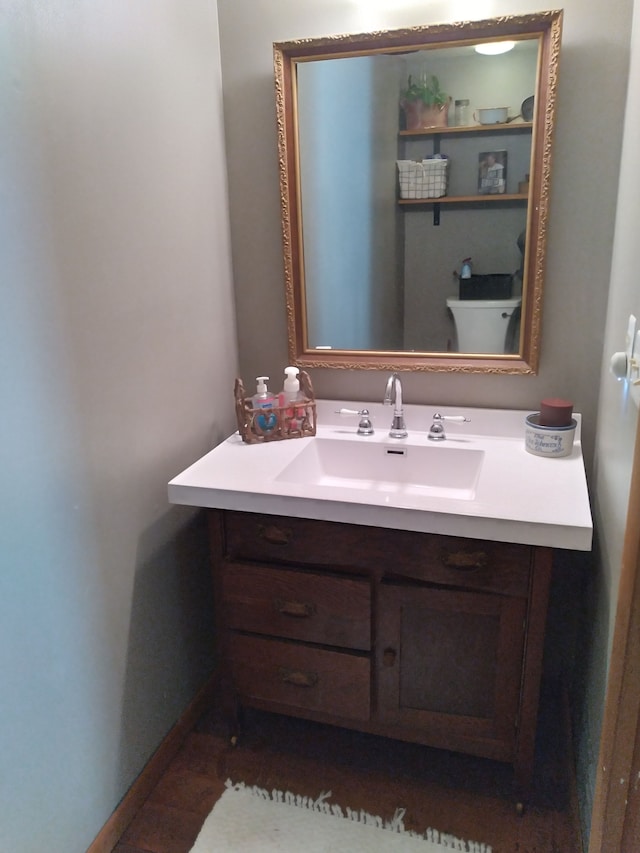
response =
{"points": [[519, 497]]}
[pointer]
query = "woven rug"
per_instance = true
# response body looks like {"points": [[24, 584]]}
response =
{"points": [[251, 820]]}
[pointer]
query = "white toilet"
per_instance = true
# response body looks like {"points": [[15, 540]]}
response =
{"points": [[482, 324]]}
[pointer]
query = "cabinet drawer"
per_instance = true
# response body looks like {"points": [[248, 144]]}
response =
{"points": [[334, 611], [301, 677], [473, 564], [299, 541], [500, 567]]}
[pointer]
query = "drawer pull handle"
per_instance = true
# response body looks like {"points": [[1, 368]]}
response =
{"points": [[300, 609], [274, 535], [298, 677], [388, 657], [465, 561]]}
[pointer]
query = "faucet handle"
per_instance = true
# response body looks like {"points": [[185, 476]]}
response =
{"points": [[436, 433], [365, 427], [453, 418]]}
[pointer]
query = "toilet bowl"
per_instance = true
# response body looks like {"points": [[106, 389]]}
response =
{"points": [[482, 324]]}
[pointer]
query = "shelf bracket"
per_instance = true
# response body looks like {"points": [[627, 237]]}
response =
{"points": [[436, 207]]}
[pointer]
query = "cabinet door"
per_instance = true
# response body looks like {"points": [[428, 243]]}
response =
{"points": [[449, 666]]}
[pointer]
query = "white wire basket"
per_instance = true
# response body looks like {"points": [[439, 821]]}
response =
{"points": [[423, 178]]}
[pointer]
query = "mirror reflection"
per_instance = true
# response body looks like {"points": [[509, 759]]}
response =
{"points": [[411, 178]]}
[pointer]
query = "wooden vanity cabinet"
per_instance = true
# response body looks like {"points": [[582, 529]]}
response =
{"points": [[425, 638]]}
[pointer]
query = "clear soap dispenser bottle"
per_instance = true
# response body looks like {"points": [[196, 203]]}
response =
{"points": [[263, 399]]}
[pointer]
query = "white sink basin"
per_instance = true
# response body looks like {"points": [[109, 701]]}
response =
{"points": [[478, 483], [436, 471]]}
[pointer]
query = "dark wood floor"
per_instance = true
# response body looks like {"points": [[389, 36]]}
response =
{"points": [[469, 798]]}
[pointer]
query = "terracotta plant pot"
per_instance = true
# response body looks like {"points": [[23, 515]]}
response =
{"points": [[419, 116]]}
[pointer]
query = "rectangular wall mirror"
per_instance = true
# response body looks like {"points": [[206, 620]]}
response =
{"points": [[415, 173]]}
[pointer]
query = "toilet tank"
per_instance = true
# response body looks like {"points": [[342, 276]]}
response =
{"points": [[482, 324], [492, 286]]}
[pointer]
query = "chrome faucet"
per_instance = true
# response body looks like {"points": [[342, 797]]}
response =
{"points": [[393, 396]]}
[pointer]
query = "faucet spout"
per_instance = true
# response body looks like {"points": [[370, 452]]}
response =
{"points": [[393, 397]]}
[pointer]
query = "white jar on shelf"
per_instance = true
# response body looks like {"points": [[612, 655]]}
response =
{"points": [[461, 114]]}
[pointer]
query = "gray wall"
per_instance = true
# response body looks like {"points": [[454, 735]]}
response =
{"points": [[117, 358]]}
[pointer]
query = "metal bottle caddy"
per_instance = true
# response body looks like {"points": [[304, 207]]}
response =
{"points": [[296, 419]]}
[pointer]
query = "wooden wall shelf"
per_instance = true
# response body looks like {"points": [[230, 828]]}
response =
{"points": [[475, 128], [464, 199]]}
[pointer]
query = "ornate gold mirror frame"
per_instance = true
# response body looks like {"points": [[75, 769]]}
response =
{"points": [[545, 28]]}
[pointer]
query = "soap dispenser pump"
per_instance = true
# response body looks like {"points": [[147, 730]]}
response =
{"points": [[465, 270]]}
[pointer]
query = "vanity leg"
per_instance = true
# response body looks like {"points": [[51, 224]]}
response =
{"points": [[532, 673], [235, 723], [233, 713], [231, 710]]}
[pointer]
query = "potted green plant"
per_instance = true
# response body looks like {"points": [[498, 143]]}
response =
{"points": [[424, 103]]}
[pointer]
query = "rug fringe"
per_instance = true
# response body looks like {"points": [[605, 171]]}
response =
{"points": [[395, 824]]}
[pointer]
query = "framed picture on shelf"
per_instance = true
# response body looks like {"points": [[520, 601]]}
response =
{"points": [[492, 172]]}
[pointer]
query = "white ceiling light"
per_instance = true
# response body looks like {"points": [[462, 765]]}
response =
{"points": [[493, 48]]}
